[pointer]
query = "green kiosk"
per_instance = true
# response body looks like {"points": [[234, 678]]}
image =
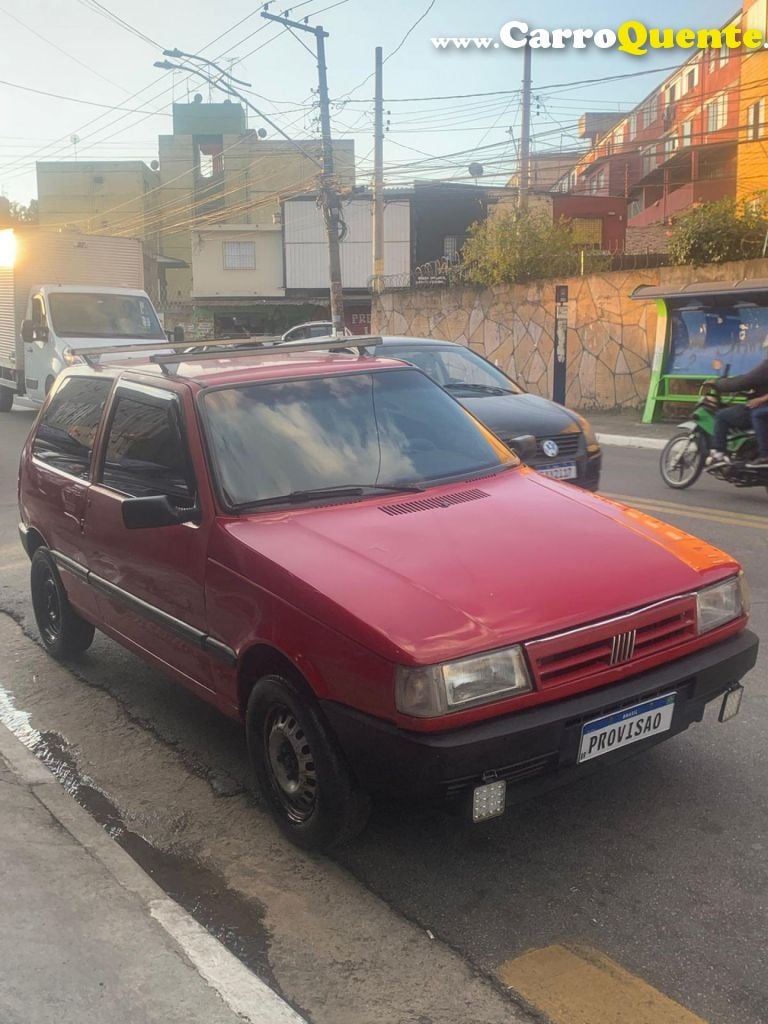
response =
{"points": [[699, 326]]}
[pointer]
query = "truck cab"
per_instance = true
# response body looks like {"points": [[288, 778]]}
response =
{"points": [[61, 318]]}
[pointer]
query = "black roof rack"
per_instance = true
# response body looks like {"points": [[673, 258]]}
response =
{"points": [[217, 348]]}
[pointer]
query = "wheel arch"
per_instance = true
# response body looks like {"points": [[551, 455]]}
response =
{"points": [[260, 660], [35, 540]]}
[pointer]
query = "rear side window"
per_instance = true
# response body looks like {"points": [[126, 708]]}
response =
{"points": [[146, 453], [67, 430]]}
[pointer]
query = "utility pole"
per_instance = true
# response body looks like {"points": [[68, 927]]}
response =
{"points": [[378, 175], [525, 130], [329, 195]]}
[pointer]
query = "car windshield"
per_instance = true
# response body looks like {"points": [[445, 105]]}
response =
{"points": [[103, 315], [387, 428], [453, 366]]}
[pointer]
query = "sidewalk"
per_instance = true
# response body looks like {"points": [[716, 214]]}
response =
{"points": [[87, 937], [623, 427]]}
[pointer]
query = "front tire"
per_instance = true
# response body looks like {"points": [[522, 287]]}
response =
{"points": [[299, 767], [63, 632], [682, 460], [6, 398]]}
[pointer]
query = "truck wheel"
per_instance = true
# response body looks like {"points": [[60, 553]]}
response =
{"points": [[6, 398], [63, 632], [299, 767]]}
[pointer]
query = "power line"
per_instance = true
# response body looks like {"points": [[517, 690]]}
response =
{"points": [[58, 48], [99, 8]]}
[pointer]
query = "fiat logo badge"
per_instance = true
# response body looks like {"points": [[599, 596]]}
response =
{"points": [[550, 448]]}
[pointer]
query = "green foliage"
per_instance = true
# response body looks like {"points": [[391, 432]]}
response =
{"points": [[719, 232], [18, 213], [514, 246]]}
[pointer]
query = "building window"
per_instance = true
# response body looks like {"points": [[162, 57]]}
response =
{"points": [[239, 255], [209, 160], [686, 133], [724, 54], [717, 113], [756, 120], [452, 245], [670, 145]]}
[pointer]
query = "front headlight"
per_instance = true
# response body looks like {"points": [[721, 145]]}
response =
{"points": [[722, 603], [589, 434], [439, 689]]}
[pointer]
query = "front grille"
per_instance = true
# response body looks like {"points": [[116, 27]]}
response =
{"points": [[610, 646], [567, 446]]}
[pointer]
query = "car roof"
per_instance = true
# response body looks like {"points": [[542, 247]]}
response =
{"points": [[244, 369]]}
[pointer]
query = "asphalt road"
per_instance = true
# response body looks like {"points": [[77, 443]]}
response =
{"points": [[659, 864]]}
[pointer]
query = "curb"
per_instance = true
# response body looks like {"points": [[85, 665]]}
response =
{"points": [[627, 441], [240, 989]]}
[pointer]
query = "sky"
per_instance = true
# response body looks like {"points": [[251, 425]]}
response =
{"points": [[90, 53]]}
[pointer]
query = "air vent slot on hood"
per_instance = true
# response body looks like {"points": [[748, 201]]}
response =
{"points": [[443, 501]]}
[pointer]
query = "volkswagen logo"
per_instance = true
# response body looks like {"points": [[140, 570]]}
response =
{"points": [[550, 448]]}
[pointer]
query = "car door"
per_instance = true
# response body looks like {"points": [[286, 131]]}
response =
{"points": [[56, 478], [150, 581], [38, 372]]}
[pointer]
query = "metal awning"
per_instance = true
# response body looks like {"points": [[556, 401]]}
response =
{"points": [[716, 289]]}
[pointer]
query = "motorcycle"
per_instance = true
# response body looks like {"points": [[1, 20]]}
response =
{"points": [[685, 455]]}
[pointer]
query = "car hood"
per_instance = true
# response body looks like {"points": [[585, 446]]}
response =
{"points": [[524, 557], [511, 415]]}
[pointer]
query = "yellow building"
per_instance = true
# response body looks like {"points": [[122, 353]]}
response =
{"points": [[752, 164], [101, 197], [212, 170]]}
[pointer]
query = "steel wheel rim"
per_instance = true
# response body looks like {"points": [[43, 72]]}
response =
{"points": [[50, 610], [290, 764], [673, 463]]}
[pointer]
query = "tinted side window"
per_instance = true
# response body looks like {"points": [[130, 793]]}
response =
{"points": [[67, 429], [145, 450]]}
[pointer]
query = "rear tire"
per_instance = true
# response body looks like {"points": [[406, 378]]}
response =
{"points": [[299, 767], [63, 632], [6, 398], [682, 460]]}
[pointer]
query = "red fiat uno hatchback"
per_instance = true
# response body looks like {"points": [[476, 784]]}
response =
{"points": [[332, 549]]}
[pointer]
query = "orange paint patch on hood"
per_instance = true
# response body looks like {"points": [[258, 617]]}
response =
{"points": [[696, 553]]}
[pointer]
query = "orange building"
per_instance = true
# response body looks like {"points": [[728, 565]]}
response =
{"points": [[752, 163]]}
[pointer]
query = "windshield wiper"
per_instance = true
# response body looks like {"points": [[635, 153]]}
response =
{"points": [[341, 491], [488, 389]]}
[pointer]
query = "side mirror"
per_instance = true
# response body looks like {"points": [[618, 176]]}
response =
{"points": [[524, 447], [178, 334], [156, 510], [27, 332]]}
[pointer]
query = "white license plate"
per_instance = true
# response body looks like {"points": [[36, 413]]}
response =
{"points": [[563, 471], [629, 725]]}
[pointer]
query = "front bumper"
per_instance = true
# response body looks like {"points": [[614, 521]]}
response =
{"points": [[535, 749]]}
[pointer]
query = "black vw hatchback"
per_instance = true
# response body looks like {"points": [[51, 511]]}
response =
{"points": [[566, 447]]}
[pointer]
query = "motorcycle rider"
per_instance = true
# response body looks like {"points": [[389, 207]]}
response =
{"points": [[741, 416]]}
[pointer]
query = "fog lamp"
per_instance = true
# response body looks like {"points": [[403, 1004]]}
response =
{"points": [[731, 704], [488, 801]]}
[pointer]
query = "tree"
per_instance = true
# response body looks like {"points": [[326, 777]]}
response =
{"points": [[514, 246], [17, 213], [719, 232]]}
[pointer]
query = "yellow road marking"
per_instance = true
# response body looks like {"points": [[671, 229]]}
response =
{"points": [[726, 518], [579, 985]]}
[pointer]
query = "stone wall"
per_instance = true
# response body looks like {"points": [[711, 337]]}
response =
{"points": [[611, 338]]}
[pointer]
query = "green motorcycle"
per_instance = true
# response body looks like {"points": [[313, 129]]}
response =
{"points": [[685, 455]]}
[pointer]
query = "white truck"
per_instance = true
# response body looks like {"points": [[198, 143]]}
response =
{"points": [[61, 291]]}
